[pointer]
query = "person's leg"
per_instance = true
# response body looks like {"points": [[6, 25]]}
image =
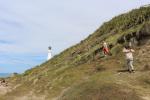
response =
{"points": [[104, 51], [107, 51], [128, 65], [131, 65]]}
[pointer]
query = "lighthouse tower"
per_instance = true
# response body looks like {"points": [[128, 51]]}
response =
{"points": [[49, 53]]}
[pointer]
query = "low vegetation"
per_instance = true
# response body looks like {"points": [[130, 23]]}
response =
{"points": [[81, 72]]}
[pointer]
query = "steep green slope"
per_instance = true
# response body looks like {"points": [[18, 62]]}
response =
{"points": [[83, 73]]}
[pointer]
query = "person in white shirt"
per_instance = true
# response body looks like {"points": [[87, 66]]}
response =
{"points": [[129, 57]]}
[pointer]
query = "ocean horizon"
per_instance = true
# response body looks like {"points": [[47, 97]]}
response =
{"points": [[4, 75]]}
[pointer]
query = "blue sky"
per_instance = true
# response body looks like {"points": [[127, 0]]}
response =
{"points": [[28, 27]]}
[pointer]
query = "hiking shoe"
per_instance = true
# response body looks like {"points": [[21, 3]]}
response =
{"points": [[130, 71], [133, 71]]}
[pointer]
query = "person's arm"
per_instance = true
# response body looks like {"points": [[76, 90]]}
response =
{"points": [[125, 50], [131, 50]]}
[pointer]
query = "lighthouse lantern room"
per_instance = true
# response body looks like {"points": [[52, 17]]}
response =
{"points": [[49, 53]]}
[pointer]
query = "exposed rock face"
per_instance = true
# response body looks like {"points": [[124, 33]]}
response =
{"points": [[144, 33], [137, 38]]}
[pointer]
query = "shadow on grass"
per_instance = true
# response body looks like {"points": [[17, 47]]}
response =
{"points": [[123, 70]]}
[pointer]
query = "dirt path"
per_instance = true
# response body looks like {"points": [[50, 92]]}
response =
{"points": [[131, 81], [4, 89]]}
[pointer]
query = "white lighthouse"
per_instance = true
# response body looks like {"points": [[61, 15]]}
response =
{"points": [[49, 53]]}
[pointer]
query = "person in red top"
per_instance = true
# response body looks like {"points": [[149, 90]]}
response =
{"points": [[105, 48]]}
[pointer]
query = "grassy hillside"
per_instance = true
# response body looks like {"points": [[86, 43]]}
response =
{"points": [[81, 72]]}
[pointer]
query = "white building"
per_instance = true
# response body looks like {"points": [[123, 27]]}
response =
{"points": [[49, 53]]}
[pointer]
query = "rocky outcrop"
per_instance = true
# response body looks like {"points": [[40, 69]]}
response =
{"points": [[136, 38]]}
